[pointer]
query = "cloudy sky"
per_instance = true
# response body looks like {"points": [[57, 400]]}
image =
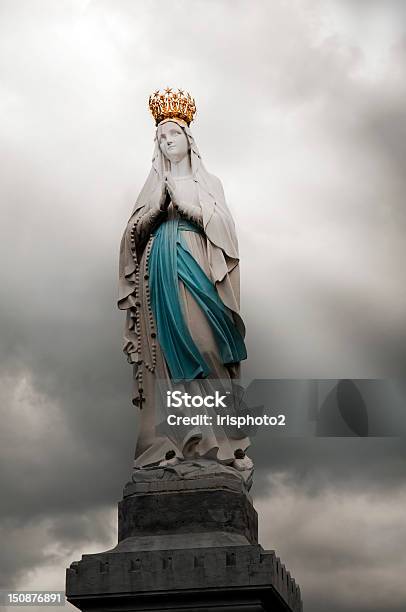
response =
{"points": [[301, 113]]}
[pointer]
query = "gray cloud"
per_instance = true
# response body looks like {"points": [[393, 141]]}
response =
{"points": [[35, 554], [348, 548]]}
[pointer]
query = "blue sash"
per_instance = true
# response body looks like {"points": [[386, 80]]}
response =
{"points": [[170, 260]]}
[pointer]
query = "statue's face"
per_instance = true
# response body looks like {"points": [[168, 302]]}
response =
{"points": [[173, 141]]}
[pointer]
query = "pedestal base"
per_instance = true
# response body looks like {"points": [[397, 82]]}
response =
{"points": [[189, 546], [199, 510], [244, 578]]}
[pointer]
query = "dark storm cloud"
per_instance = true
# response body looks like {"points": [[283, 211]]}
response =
{"points": [[319, 205], [334, 538], [48, 545], [370, 464]]}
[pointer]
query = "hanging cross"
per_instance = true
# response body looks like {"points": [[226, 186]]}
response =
{"points": [[141, 399]]}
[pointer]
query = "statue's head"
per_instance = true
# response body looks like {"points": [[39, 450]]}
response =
{"points": [[173, 112], [172, 141]]}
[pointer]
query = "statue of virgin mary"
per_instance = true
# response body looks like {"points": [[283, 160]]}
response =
{"points": [[179, 285]]}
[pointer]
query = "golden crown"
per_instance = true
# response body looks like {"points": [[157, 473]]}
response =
{"points": [[170, 104]]}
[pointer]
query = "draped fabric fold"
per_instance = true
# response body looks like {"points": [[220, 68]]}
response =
{"points": [[170, 260]]}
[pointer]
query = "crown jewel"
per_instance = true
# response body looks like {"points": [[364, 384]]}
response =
{"points": [[170, 104]]}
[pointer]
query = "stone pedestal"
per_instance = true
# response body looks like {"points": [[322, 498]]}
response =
{"points": [[184, 545]]}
